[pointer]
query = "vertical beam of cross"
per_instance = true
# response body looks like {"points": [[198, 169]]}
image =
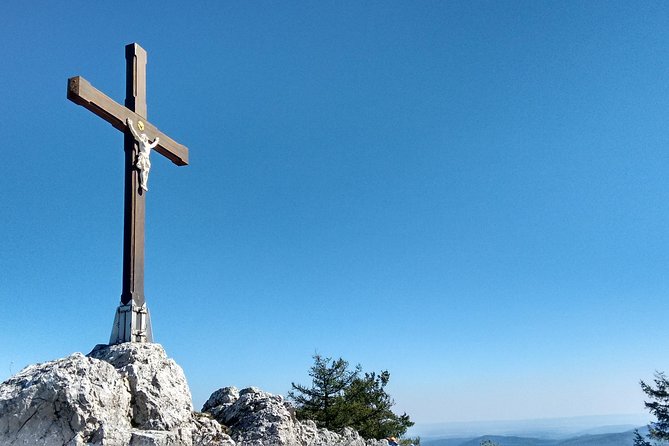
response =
{"points": [[135, 203]]}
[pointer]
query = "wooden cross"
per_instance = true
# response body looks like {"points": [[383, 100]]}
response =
{"points": [[132, 322]]}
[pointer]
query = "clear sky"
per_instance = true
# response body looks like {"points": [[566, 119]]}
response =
{"points": [[472, 195]]}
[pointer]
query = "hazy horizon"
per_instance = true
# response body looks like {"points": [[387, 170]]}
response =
{"points": [[551, 428]]}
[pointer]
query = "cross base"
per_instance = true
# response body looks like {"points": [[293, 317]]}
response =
{"points": [[132, 323]]}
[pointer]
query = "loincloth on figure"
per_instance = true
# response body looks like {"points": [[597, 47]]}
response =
{"points": [[143, 162]]}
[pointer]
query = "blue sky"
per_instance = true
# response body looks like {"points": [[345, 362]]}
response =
{"points": [[472, 195]]}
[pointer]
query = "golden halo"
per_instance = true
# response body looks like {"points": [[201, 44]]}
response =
{"points": [[140, 125]]}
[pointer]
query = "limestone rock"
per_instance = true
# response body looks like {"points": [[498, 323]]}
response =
{"points": [[208, 432], [134, 395], [71, 401], [127, 394], [220, 400], [161, 399], [257, 418]]}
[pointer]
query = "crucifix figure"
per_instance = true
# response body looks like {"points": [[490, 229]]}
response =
{"points": [[132, 322], [143, 163]]}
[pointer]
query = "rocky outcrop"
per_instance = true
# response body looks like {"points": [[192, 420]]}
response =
{"points": [[257, 418], [209, 432], [71, 401], [126, 394], [133, 394], [161, 399]]}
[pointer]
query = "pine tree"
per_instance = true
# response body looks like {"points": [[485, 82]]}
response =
{"points": [[368, 408], [659, 407], [321, 401], [339, 397]]}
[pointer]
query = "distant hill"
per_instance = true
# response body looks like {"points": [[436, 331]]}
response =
{"points": [[543, 428], [619, 439], [511, 441], [615, 439]]}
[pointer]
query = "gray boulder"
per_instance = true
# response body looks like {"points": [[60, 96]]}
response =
{"points": [[220, 400], [209, 432], [257, 418], [71, 401], [161, 399], [126, 394]]}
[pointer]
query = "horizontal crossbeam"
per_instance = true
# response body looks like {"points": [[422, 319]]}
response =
{"points": [[81, 92]]}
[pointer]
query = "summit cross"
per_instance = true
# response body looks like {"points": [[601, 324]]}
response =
{"points": [[132, 322]]}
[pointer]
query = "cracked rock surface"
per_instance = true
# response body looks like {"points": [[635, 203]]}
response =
{"points": [[120, 395], [257, 418], [134, 395], [160, 397], [70, 401]]}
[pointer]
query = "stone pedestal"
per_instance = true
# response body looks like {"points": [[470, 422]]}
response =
{"points": [[132, 323]]}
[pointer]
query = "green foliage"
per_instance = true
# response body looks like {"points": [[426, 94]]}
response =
{"points": [[659, 407], [488, 443], [339, 397], [410, 441], [321, 401]]}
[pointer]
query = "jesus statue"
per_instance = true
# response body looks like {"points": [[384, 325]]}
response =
{"points": [[143, 163]]}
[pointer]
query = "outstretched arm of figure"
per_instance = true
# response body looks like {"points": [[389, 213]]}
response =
{"points": [[154, 143], [132, 128]]}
